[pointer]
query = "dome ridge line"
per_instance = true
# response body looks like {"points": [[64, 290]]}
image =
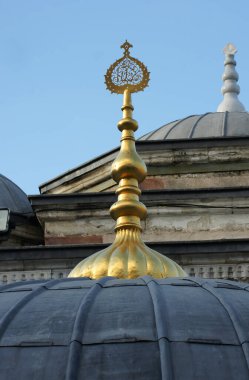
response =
{"points": [[224, 126], [82, 315], [156, 130], [13, 197], [163, 344], [195, 124], [229, 312], [175, 125], [212, 290], [10, 314]]}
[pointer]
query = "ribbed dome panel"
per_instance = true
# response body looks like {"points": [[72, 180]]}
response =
{"points": [[208, 125], [12, 197], [124, 329]]}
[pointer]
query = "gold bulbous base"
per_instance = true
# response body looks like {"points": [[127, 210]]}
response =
{"points": [[127, 257]]}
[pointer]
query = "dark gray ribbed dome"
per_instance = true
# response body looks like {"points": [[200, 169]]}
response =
{"points": [[12, 197], [216, 124], [181, 329]]}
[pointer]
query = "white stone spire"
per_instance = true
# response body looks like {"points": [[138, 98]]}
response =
{"points": [[230, 88]]}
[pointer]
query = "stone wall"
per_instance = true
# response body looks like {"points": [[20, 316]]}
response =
{"points": [[192, 215], [183, 164]]}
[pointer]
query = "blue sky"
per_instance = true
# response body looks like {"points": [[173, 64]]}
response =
{"points": [[55, 112]]}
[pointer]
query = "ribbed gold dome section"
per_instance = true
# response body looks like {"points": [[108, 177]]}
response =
{"points": [[127, 257]]}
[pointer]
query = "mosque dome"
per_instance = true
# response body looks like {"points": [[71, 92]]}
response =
{"points": [[13, 198], [230, 120], [145, 328], [208, 125]]}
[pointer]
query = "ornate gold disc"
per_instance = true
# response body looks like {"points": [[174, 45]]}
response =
{"points": [[127, 73]]}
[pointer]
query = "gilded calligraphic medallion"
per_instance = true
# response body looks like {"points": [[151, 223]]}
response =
{"points": [[127, 73]]}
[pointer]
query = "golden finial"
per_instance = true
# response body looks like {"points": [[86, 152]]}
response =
{"points": [[128, 256], [127, 73]]}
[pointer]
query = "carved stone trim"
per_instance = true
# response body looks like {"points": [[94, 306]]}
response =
{"points": [[15, 276], [238, 272]]}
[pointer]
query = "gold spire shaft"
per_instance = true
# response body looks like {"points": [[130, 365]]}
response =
{"points": [[128, 170], [128, 256]]}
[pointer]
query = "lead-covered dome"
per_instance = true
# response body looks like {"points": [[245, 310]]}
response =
{"points": [[13, 198], [230, 120], [124, 329], [208, 125]]}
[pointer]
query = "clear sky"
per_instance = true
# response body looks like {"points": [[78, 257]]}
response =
{"points": [[55, 112]]}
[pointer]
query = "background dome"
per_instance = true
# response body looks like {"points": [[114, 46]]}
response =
{"points": [[124, 329], [208, 125], [230, 120], [12, 197]]}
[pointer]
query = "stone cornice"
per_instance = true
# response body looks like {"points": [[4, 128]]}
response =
{"points": [[149, 197], [142, 146], [222, 248]]}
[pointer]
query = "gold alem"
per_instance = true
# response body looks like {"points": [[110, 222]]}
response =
{"points": [[128, 257]]}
